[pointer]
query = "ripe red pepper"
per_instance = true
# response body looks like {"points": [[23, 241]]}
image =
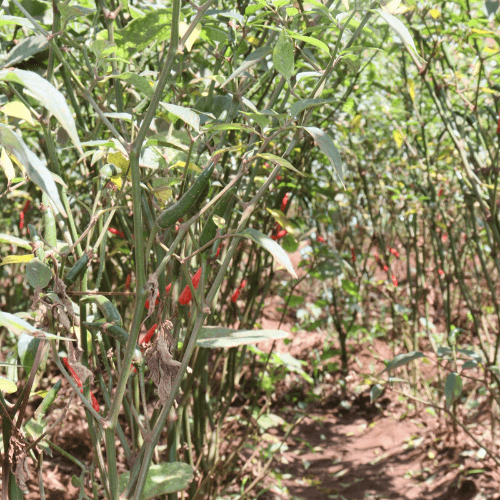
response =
{"points": [[235, 296], [186, 295], [147, 338], [112, 230], [284, 202]]}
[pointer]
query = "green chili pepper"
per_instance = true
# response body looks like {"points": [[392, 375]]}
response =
{"points": [[210, 229], [77, 270], [49, 222], [171, 215], [110, 328], [107, 308]]}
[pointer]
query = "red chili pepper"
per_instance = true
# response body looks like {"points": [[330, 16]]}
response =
{"points": [[72, 372], [394, 280], [243, 284], [128, 281], [386, 268], [279, 178], [235, 296], [21, 222], [284, 202], [444, 238], [78, 382], [441, 272], [394, 252], [320, 239], [377, 257], [147, 338], [440, 192], [26, 206], [168, 287], [353, 255], [186, 295], [280, 235], [146, 305], [112, 230], [218, 252]]}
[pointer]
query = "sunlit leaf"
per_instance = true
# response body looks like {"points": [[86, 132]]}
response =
{"points": [[16, 259], [217, 336], [272, 247], [283, 58], [7, 385], [329, 149]]}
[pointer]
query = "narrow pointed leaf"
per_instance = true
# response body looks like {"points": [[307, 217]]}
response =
{"points": [[272, 247], [26, 48], [403, 359], [48, 96], [452, 388], [280, 161], [214, 337], [256, 56], [35, 169], [326, 145]]}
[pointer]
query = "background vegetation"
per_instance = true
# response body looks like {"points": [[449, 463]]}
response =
{"points": [[161, 162]]}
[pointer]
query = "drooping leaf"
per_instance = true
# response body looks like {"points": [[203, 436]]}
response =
{"points": [[399, 28], [20, 21], [280, 161], [452, 388], [7, 165], [19, 327], [137, 81], [69, 12], [283, 58], [403, 359], [49, 97], [221, 337], [164, 478], [187, 115], [272, 247], [35, 169], [25, 49], [329, 149]]}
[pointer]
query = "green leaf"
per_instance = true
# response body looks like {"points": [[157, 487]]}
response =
{"points": [[250, 60], [164, 478], [375, 392], [280, 161], [187, 115], [26, 48], [403, 359], [310, 40], [47, 401], [154, 27], [352, 61], [26, 349], [20, 21], [283, 58], [7, 239], [299, 106], [272, 247], [7, 385], [137, 81], [452, 388], [16, 259], [215, 337], [35, 169], [49, 97], [350, 288], [326, 145], [69, 12], [38, 274], [399, 28], [18, 326]]}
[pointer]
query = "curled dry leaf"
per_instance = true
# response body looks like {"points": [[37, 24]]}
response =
{"points": [[161, 364], [18, 459]]}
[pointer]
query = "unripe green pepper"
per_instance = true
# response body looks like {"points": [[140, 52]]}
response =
{"points": [[77, 270], [171, 215]]}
